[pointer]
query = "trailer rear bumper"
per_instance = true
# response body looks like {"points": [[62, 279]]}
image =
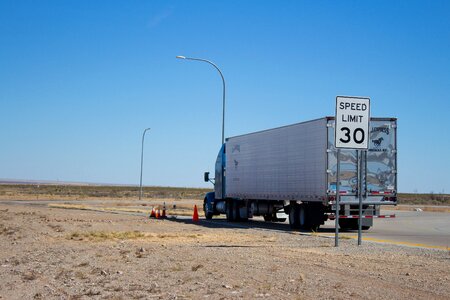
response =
{"points": [[370, 200]]}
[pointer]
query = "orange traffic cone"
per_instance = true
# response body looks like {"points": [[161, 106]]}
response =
{"points": [[158, 214], [195, 215], [153, 214]]}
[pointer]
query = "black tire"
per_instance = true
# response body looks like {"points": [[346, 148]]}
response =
{"points": [[208, 215], [236, 214], [303, 217], [233, 214], [294, 216], [310, 217], [365, 227], [229, 210], [316, 215], [242, 216]]}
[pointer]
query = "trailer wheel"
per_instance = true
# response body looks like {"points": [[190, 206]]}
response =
{"points": [[294, 216], [242, 211], [303, 217], [315, 216]]}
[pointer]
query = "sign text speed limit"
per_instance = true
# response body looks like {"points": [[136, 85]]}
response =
{"points": [[352, 122]]}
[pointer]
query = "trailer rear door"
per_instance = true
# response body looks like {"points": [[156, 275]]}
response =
{"points": [[379, 163], [382, 157]]}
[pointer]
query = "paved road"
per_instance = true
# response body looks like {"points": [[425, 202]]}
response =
{"points": [[423, 229], [409, 228]]}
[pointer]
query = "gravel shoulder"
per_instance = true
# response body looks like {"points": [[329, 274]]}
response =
{"points": [[54, 253]]}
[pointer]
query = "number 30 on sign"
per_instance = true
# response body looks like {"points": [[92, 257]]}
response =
{"points": [[352, 122]]}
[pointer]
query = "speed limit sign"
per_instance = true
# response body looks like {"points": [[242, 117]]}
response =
{"points": [[352, 122]]}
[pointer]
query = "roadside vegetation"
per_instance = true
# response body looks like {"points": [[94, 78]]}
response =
{"points": [[77, 192], [424, 199], [83, 192]]}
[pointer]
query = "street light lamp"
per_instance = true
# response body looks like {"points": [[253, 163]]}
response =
{"points": [[142, 162], [223, 94]]}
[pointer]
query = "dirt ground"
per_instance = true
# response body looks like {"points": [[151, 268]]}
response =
{"points": [[59, 253]]}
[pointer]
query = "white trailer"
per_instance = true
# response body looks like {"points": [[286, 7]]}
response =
{"points": [[293, 169]]}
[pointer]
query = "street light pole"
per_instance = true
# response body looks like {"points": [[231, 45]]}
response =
{"points": [[142, 162], [223, 93]]}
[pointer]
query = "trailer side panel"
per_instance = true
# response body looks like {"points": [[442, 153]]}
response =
{"points": [[286, 163]]}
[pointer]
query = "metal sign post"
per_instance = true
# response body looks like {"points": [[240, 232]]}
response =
{"points": [[336, 222], [351, 132], [360, 176]]}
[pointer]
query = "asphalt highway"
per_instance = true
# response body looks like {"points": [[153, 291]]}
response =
{"points": [[411, 228]]}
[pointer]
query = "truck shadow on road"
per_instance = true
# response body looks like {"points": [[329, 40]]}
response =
{"points": [[250, 224]]}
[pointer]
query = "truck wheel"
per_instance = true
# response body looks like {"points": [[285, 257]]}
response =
{"points": [[242, 211], [236, 212], [208, 215], [233, 214], [315, 216], [303, 217], [294, 216], [365, 227], [307, 217], [229, 210]]}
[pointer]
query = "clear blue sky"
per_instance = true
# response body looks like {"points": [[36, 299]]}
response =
{"points": [[80, 80]]}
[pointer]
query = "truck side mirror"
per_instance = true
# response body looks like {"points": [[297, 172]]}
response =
{"points": [[206, 176]]}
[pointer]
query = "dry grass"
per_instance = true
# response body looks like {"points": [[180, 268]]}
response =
{"points": [[71, 206], [208, 239], [422, 207], [424, 199], [101, 236], [173, 212], [435, 209], [104, 235], [5, 230], [78, 192]]}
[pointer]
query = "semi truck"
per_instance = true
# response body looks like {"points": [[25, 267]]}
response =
{"points": [[291, 171]]}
